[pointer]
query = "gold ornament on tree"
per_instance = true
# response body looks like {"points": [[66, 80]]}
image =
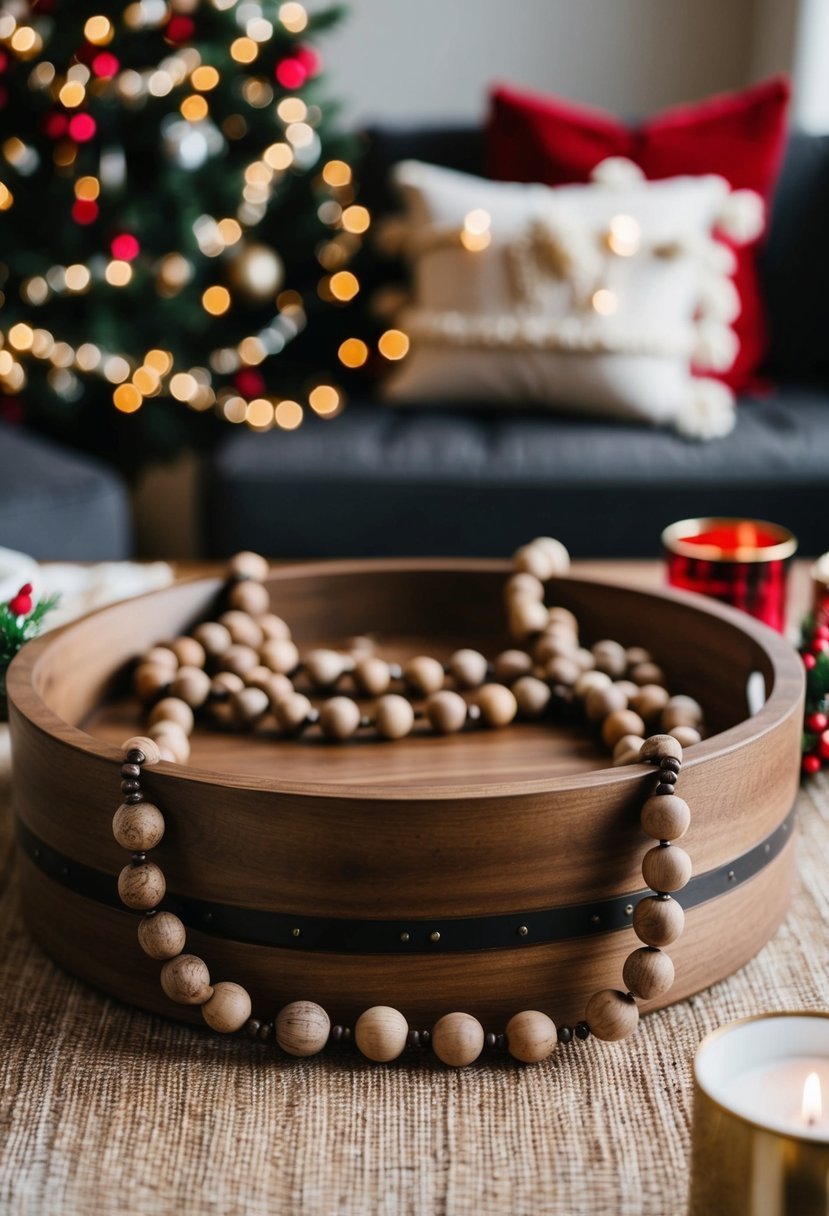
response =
{"points": [[256, 272]]}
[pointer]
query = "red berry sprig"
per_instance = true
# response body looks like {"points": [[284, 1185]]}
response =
{"points": [[814, 652]]}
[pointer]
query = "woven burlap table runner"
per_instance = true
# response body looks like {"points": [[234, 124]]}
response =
{"points": [[105, 1111]]}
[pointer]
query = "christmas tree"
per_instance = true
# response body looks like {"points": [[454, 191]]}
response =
{"points": [[176, 219]]}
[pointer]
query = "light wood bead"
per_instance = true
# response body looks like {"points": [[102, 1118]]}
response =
{"points": [[600, 702], [620, 723], [468, 668], [239, 659], [280, 654], [649, 701], [658, 922], [627, 749], [556, 551], [161, 656], [324, 667], [258, 677], [531, 1036], [278, 688], [302, 1028], [535, 560], [393, 717], [170, 737], [686, 736], [189, 652], [665, 817], [424, 674], [292, 712], [360, 646], [647, 673], [661, 747], [192, 685], [173, 709], [161, 936], [497, 704], [563, 616], [610, 657], [510, 664], [246, 564], [681, 711], [372, 675], [611, 1015], [249, 705], [213, 637], [249, 596], [648, 973], [552, 646], [585, 659], [138, 826], [225, 683], [526, 617], [666, 868], [167, 755], [525, 587], [380, 1033], [149, 679], [636, 655], [446, 712], [228, 1008], [589, 680], [339, 718], [562, 670], [273, 627], [457, 1039], [532, 696], [144, 744], [141, 887], [186, 980], [628, 688], [243, 629]]}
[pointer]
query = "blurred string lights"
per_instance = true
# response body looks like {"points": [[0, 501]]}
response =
{"points": [[231, 71]]}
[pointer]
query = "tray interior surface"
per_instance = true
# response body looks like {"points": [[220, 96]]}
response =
{"points": [[429, 611]]}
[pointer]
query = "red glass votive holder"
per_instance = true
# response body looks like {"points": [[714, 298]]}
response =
{"points": [[743, 562]]}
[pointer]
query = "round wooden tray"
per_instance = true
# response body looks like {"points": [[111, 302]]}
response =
{"points": [[313, 870]]}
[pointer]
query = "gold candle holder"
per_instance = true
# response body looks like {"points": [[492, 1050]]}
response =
{"points": [[760, 1140]]}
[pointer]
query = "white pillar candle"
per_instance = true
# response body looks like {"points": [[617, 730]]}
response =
{"points": [[761, 1118]]}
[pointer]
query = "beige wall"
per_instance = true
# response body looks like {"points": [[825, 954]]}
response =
{"points": [[433, 59]]}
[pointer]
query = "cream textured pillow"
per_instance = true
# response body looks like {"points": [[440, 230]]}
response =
{"points": [[596, 298]]}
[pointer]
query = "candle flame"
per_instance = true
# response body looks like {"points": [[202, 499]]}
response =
{"points": [[812, 1101]]}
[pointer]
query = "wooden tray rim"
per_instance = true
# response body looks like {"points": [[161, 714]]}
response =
{"points": [[784, 699]]}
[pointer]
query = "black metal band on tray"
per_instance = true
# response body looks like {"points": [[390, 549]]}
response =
{"points": [[436, 935]]}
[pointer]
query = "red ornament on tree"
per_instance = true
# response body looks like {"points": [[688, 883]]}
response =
{"points": [[817, 723], [291, 73], [105, 65], [21, 604], [82, 128], [249, 382], [811, 765], [125, 247], [84, 211], [180, 29]]}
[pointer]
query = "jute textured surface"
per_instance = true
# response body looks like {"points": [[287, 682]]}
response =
{"points": [[107, 1111]]}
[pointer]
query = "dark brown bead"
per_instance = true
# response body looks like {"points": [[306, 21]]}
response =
{"points": [[133, 799], [252, 1027], [266, 1031], [413, 1038], [662, 788], [346, 1034], [136, 756], [565, 1034], [490, 1040], [138, 859], [500, 1042], [671, 763], [130, 770], [337, 1033], [582, 1030], [130, 787], [667, 776]]}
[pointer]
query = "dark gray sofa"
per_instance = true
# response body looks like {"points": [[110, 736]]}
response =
{"points": [[443, 480], [59, 504]]}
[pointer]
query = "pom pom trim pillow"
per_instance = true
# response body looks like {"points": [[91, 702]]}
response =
{"points": [[739, 136], [594, 298]]}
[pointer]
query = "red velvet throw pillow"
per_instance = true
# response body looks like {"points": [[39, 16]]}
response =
{"points": [[740, 136]]}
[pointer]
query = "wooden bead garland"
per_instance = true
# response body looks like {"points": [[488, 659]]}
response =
{"points": [[620, 691]]}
